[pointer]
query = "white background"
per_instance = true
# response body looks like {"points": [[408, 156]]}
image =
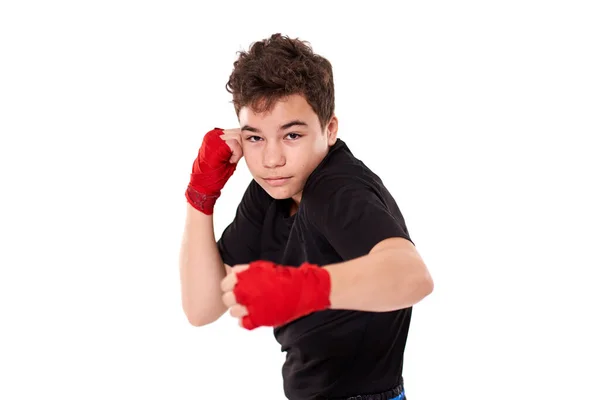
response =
{"points": [[482, 119]]}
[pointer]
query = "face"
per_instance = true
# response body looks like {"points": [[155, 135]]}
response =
{"points": [[282, 147]]}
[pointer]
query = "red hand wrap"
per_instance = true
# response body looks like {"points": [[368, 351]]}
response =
{"points": [[210, 172], [276, 294]]}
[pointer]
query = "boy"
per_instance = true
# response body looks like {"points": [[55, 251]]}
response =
{"points": [[318, 248]]}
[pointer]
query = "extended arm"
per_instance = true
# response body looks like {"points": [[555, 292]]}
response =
{"points": [[392, 276]]}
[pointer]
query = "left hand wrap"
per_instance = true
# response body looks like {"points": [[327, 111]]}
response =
{"points": [[275, 294]]}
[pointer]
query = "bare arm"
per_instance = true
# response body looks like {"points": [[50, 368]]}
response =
{"points": [[201, 270], [200, 265], [391, 277]]}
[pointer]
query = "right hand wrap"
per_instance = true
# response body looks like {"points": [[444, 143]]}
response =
{"points": [[210, 172]]}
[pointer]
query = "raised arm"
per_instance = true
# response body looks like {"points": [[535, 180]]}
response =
{"points": [[200, 265]]}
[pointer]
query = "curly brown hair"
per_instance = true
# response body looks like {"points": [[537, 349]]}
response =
{"points": [[278, 67]]}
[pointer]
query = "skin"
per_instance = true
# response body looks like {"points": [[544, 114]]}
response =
{"points": [[273, 146]]}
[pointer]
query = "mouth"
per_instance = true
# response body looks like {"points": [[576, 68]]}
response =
{"points": [[277, 180]]}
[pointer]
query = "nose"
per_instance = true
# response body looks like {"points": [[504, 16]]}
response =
{"points": [[273, 156]]}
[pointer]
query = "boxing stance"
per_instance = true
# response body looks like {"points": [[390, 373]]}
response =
{"points": [[318, 248]]}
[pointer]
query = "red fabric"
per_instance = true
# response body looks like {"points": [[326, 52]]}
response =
{"points": [[275, 294], [210, 172]]}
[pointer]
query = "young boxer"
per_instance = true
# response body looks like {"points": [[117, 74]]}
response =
{"points": [[318, 248]]}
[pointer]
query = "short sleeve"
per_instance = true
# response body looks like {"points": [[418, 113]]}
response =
{"points": [[240, 241], [353, 216]]}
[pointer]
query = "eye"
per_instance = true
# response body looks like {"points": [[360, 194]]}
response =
{"points": [[253, 139], [294, 136]]}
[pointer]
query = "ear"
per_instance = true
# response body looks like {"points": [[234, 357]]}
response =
{"points": [[332, 129]]}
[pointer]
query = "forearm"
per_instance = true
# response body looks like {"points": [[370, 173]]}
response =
{"points": [[384, 280], [201, 269]]}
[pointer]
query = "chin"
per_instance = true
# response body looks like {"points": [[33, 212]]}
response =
{"points": [[278, 194]]}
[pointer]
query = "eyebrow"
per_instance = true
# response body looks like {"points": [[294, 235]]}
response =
{"points": [[283, 127]]}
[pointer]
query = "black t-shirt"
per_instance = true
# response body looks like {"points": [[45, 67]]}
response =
{"points": [[345, 210]]}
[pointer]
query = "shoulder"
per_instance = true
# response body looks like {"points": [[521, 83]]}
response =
{"points": [[341, 193], [338, 192], [339, 173], [343, 185]]}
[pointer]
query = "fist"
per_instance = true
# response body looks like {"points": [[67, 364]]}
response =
{"points": [[233, 138], [227, 285], [263, 293]]}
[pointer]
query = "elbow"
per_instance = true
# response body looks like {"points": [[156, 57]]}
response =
{"points": [[198, 320], [420, 285], [428, 286], [195, 319], [425, 285], [201, 317]]}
